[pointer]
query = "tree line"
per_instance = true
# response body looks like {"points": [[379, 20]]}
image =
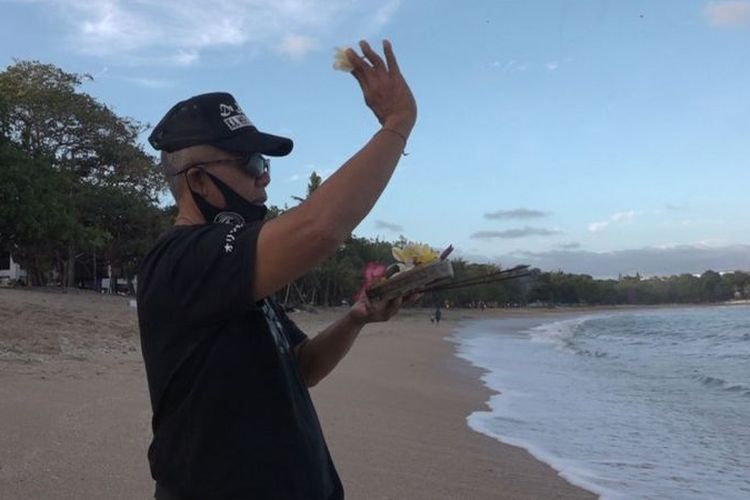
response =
{"points": [[78, 192], [708, 287], [80, 199]]}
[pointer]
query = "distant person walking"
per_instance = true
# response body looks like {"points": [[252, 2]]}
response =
{"points": [[438, 314]]}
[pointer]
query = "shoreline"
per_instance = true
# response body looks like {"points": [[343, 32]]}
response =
{"points": [[535, 410], [486, 406], [76, 413], [485, 468], [531, 321]]}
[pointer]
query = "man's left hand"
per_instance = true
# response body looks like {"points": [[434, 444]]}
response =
{"points": [[372, 311]]}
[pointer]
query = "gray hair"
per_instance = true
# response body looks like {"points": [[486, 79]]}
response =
{"points": [[171, 163]]}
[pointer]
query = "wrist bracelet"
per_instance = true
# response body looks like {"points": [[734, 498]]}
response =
{"points": [[402, 136], [395, 132]]}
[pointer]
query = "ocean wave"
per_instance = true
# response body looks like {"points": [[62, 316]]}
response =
{"points": [[574, 472], [720, 383], [668, 363], [558, 333], [562, 336]]}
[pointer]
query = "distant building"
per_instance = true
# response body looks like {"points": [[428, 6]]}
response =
{"points": [[11, 271]]}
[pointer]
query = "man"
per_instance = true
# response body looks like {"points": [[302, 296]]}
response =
{"points": [[227, 370]]}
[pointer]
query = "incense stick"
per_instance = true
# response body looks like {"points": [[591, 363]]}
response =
{"points": [[505, 275]]}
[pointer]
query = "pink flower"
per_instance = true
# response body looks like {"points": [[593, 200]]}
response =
{"points": [[373, 272]]}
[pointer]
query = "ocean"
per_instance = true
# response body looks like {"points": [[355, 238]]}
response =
{"points": [[632, 404]]}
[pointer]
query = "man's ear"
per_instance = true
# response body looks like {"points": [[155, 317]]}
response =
{"points": [[195, 179], [201, 184]]}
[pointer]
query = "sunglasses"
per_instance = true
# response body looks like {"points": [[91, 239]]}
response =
{"points": [[254, 165]]}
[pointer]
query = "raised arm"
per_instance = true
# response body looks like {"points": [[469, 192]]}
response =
{"points": [[295, 242]]}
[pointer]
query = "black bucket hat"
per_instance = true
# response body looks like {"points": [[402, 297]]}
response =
{"points": [[218, 120]]}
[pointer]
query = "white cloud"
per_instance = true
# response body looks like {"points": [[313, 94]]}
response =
{"points": [[709, 243], [184, 57], [731, 13], [296, 46], [624, 217], [383, 15], [152, 83], [596, 227], [512, 66], [178, 31]]}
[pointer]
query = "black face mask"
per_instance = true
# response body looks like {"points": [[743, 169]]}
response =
{"points": [[237, 211]]}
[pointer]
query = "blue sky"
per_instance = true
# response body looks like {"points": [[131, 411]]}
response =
{"points": [[594, 136]]}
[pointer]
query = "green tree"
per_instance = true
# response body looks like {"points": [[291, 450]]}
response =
{"points": [[313, 183], [35, 211], [127, 225], [44, 113]]}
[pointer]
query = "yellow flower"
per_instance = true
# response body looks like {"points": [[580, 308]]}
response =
{"points": [[414, 255], [340, 61]]}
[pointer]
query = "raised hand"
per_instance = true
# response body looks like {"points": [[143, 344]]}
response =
{"points": [[385, 91]]}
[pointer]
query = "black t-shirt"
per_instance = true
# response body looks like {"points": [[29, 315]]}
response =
{"points": [[232, 417]]}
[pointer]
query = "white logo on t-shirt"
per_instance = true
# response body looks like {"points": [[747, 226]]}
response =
{"points": [[230, 238]]}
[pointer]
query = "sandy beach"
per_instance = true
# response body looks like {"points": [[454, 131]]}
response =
{"points": [[75, 417]]}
